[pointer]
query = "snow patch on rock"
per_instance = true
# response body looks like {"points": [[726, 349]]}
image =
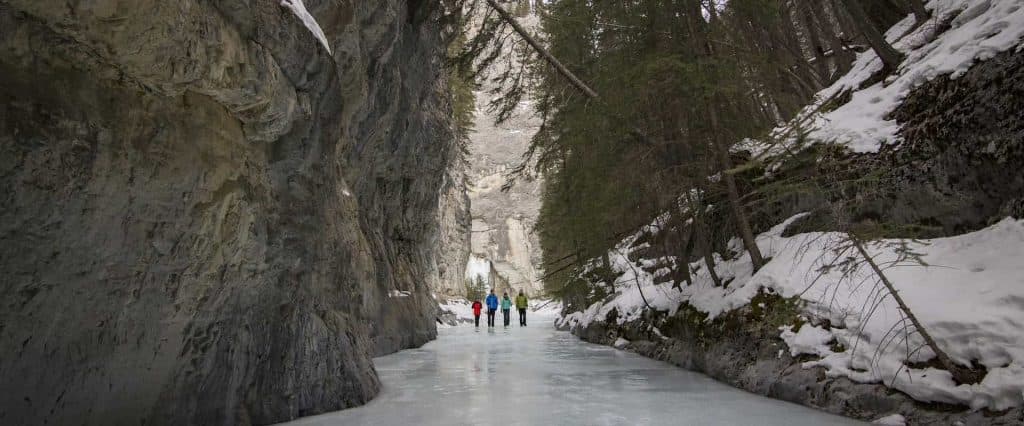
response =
{"points": [[979, 30], [812, 340], [891, 420], [299, 9]]}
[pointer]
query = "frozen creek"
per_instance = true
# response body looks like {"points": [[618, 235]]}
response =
{"points": [[539, 376]]}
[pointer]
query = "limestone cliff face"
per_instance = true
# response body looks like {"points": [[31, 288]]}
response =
{"points": [[206, 218], [502, 221], [454, 243]]}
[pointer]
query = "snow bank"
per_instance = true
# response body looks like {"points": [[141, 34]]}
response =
{"points": [[810, 339], [299, 9], [979, 30], [462, 309], [547, 309], [969, 293]]}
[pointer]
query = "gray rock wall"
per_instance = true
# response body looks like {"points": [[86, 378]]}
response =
{"points": [[455, 234], [205, 217]]}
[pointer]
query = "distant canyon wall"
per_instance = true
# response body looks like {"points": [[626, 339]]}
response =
{"points": [[502, 221]]}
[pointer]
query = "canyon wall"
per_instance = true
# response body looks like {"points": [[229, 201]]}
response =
{"points": [[209, 218], [503, 219]]}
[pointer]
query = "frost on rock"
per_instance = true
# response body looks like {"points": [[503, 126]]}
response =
{"points": [[979, 29], [299, 9], [969, 293]]}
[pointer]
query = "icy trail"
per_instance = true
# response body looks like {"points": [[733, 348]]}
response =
{"points": [[537, 375]]}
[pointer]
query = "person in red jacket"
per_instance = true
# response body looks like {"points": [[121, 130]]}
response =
{"points": [[477, 306]]}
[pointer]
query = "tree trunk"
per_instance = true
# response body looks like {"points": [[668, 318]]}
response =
{"points": [[701, 232], [746, 233], [960, 375], [921, 14], [889, 55], [842, 57], [802, 71], [817, 47], [686, 254], [707, 253], [579, 84]]}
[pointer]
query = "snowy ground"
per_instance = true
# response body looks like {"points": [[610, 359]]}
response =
{"points": [[968, 291], [979, 29], [539, 376]]}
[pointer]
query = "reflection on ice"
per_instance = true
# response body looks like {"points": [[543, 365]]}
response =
{"points": [[536, 375]]}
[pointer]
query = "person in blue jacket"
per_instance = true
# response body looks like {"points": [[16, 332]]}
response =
{"points": [[492, 307]]}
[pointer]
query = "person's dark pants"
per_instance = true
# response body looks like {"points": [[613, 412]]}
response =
{"points": [[508, 318], [522, 316], [477, 318], [490, 317]]}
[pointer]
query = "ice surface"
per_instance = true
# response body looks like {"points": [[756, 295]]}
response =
{"points": [[539, 376]]}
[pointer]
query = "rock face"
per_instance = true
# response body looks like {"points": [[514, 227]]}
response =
{"points": [[502, 226], [454, 217], [958, 168], [206, 217], [502, 221]]}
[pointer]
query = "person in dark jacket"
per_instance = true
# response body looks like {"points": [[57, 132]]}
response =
{"points": [[477, 306], [521, 307], [492, 307], [506, 306]]}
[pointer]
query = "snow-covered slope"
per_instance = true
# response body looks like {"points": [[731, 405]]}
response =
{"points": [[968, 291], [978, 30]]}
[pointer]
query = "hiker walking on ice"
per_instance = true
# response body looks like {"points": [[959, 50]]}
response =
{"points": [[521, 305], [492, 307], [477, 306], [506, 306]]}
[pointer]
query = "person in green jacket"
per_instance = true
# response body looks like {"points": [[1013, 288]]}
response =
{"points": [[506, 306], [521, 306]]}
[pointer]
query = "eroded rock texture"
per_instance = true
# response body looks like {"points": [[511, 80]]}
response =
{"points": [[205, 217]]}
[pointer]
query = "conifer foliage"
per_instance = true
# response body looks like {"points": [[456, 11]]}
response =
{"points": [[676, 83]]}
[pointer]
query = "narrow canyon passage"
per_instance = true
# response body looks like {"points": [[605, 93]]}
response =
{"points": [[537, 375]]}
